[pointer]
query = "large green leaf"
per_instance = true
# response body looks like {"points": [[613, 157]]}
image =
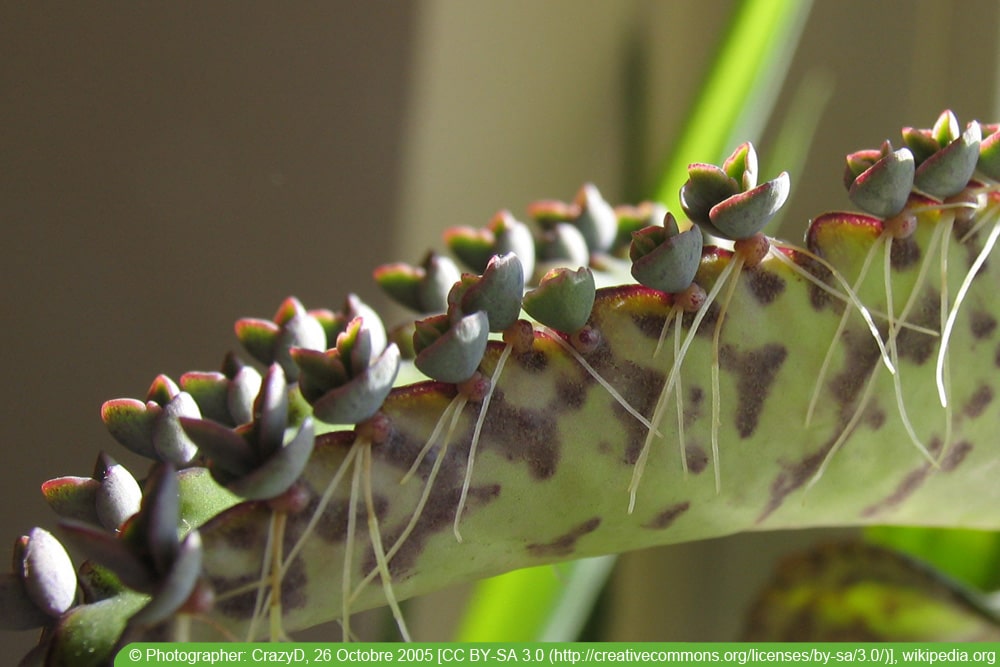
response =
{"points": [[557, 452]]}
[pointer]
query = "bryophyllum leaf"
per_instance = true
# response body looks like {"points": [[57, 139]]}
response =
{"points": [[162, 390], [665, 259], [422, 289], [945, 156], [497, 292], [883, 187], [258, 337], [727, 202], [97, 583], [473, 247], [319, 371], [169, 440], [347, 384], [152, 429], [48, 573], [450, 350], [303, 330], [563, 299], [631, 219], [355, 308], [355, 349]]}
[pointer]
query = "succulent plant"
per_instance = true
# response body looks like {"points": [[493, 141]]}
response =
{"points": [[263, 475]]}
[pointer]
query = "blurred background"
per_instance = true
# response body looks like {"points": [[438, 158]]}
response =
{"points": [[168, 168]]}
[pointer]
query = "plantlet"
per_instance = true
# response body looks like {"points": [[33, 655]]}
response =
{"points": [[526, 400]]}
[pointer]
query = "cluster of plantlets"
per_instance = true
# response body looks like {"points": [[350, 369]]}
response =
{"points": [[512, 423]]}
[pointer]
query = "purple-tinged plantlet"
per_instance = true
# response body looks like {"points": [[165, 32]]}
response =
{"points": [[423, 289], [502, 235], [147, 555], [107, 499], [227, 396], [946, 156], [42, 586], [589, 213], [269, 341], [255, 462], [152, 429]]}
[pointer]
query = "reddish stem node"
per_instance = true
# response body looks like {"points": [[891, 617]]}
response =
{"points": [[753, 249], [973, 201], [376, 429], [294, 500], [901, 225], [585, 340], [691, 299], [520, 336], [475, 388]]}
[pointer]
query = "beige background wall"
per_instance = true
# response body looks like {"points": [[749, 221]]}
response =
{"points": [[166, 169]]}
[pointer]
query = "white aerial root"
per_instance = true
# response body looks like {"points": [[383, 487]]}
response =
{"points": [[376, 540], [737, 268], [345, 585], [680, 399], [449, 415], [274, 567], [358, 460], [825, 367], [320, 508], [474, 445], [265, 568], [597, 376], [675, 310], [941, 235], [844, 434], [672, 379], [425, 494], [893, 350], [944, 385], [993, 216]]}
